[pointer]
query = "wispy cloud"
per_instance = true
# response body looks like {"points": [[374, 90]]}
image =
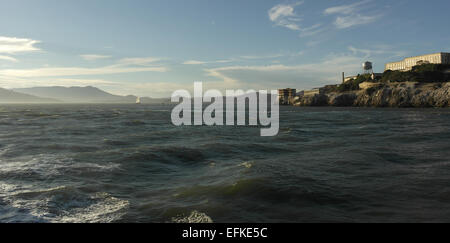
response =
{"points": [[94, 57], [351, 14], [273, 56], [9, 59], [12, 45], [245, 58], [196, 62], [63, 75], [76, 71], [262, 57], [343, 22], [345, 9], [138, 61], [284, 15], [385, 50], [312, 30]]}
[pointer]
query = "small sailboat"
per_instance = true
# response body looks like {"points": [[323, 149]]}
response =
{"points": [[138, 100]]}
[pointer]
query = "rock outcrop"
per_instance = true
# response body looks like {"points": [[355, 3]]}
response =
{"points": [[405, 94]]}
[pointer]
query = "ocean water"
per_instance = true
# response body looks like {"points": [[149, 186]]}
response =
{"points": [[127, 163]]}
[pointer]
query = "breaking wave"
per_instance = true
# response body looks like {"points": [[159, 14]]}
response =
{"points": [[194, 218], [46, 165], [63, 204]]}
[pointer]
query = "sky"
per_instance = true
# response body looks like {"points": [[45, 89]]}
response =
{"points": [[154, 47]]}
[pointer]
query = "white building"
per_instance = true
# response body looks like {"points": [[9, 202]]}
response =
{"points": [[408, 63]]}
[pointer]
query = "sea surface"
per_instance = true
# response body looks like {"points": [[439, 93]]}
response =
{"points": [[128, 163]]}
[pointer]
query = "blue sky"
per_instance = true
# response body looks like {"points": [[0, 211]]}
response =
{"points": [[153, 47]]}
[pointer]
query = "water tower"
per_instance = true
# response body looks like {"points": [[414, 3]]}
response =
{"points": [[367, 68]]}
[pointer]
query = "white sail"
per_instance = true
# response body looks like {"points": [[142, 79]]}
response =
{"points": [[138, 100]]}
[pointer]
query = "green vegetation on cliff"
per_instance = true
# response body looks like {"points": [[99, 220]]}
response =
{"points": [[353, 84], [425, 73]]}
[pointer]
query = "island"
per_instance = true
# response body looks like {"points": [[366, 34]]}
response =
{"points": [[421, 85]]}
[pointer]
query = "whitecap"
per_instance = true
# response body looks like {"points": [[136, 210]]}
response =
{"points": [[247, 165], [52, 165], [65, 205], [194, 218]]}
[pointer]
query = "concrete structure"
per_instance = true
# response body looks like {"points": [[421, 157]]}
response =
{"points": [[286, 96], [408, 63]]}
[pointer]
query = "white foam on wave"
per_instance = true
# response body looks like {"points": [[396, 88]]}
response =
{"points": [[194, 218], [108, 209], [50, 165], [247, 165], [22, 202], [64, 205], [7, 189]]}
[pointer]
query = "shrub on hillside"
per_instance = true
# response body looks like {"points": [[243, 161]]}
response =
{"points": [[425, 73]]}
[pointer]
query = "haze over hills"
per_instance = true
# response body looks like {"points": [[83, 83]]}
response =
{"points": [[87, 94], [9, 96]]}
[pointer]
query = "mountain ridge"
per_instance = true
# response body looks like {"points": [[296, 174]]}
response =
{"points": [[86, 94], [10, 96]]}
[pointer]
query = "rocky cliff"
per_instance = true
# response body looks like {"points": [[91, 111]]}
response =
{"points": [[404, 94]]}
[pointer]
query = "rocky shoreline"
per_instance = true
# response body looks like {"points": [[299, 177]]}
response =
{"points": [[402, 94]]}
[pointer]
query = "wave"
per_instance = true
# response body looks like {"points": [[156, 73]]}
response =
{"points": [[67, 147], [240, 187], [64, 204], [194, 218], [46, 165], [168, 154]]}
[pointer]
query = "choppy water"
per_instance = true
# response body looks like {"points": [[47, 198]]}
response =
{"points": [[127, 163]]}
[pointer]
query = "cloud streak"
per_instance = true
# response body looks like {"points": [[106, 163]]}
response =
{"points": [[196, 62], [351, 15], [8, 58], [94, 57], [345, 9], [245, 58], [345, 16], [343, 22], [284, 15], [378, 50], [13, 45], [138, 61], [76, 71]]}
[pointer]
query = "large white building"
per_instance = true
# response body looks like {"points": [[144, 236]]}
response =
{"points": [[408, 63]]}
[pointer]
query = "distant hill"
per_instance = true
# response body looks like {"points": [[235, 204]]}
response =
{"points": [[87, 94], [9, 96]]}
